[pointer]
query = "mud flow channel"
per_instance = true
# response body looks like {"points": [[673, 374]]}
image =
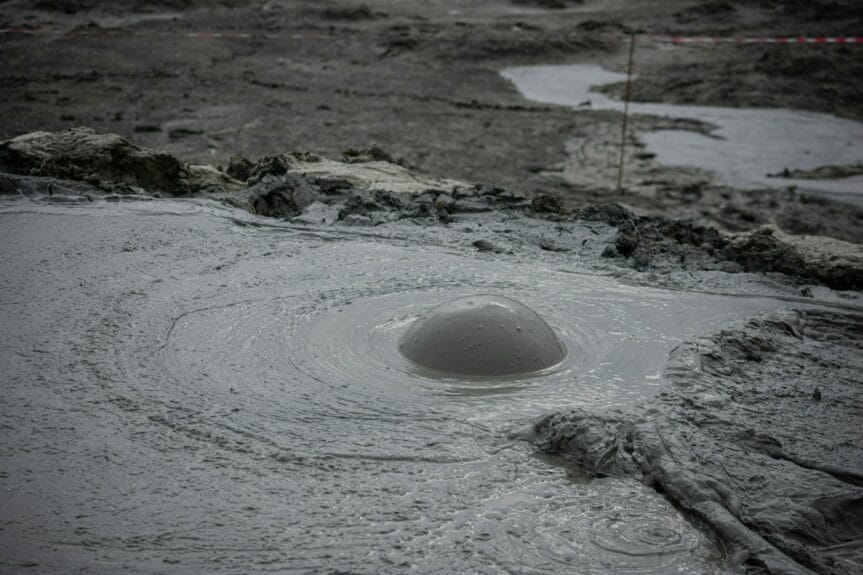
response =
{"points": [[185, 383], [747, 148]]}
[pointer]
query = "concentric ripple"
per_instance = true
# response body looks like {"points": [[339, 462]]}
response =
{"points": [[231, 397], [622, 538]]}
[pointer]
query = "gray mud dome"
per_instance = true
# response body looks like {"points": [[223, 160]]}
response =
{"points": [[483, 336], [759, 435]]}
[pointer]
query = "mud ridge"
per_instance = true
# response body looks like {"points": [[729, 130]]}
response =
{"points": [[369, 189]]}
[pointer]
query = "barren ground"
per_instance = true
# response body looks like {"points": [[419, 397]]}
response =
{"points": [[421, 80]]}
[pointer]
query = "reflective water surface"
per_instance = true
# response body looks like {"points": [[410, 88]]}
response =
{"points": [[746, 146]]}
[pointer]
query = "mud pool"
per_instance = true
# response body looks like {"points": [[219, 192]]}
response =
{"points": [[747, 147], [191, 384]]}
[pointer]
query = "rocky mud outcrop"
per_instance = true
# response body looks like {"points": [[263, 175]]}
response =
{"points": [[655, 242], [108, 162], [369, 189]]}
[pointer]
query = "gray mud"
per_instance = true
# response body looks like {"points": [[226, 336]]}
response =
{"points": [[196, 384], [212, 382], [758, 435], [192, 387]]}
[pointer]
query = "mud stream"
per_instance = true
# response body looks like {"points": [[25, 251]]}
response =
{"points": [[189, 384], [747, 148]]}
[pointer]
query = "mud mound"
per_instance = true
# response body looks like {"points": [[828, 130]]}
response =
{"points": [[754, 437], [833, 263], [106, 161]]}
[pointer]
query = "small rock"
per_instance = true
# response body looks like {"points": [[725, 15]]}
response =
{"points": [[178, 133], [240, 168], [470, 206], [816, 395], [486, 246], [551, 246], [357, 220], [547, 204]]}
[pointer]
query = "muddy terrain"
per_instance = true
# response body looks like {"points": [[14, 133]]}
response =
{"points": [[220, 219], [690, 365]]}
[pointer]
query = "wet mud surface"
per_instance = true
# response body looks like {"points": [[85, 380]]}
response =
{"points": [[205, 293], [182, 364], [742, 147], [189, 384]]}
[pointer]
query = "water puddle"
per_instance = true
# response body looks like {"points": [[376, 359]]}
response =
{"points": [[747, 145], [231, 397]]}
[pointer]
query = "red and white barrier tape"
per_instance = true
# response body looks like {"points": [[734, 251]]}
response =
{"points": [[763, 40], [640, 37]]}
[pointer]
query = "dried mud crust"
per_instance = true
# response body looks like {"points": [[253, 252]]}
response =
{"points": [[758, 436], [366, 189]]}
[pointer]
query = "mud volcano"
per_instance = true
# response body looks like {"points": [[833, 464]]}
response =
{"points": [[482, 335]]}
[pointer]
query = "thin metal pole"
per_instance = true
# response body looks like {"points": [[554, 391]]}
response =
{"points": [[625, 112]]}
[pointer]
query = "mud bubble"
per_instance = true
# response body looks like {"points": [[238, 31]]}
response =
{"points": [[482, 335]]}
